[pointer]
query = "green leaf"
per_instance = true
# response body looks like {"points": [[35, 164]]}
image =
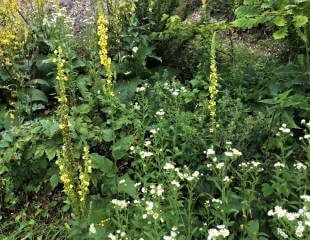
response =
{"points": [[3, 169], [78, 63], [37, 95], [252, 228], [125, 90], [108, 135], [81, 109], [120, 148], [102, 163], [127, 185], [267, 190], [39, 82], [50, 153], [300, 20], [45, 65], [281, 33], [280, 21], [54, 180], [270, 101], [4, 144]]}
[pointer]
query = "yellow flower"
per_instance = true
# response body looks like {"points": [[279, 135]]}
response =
{"points": [[13, 31], [213, 87], [103, 42], [105, 60]]}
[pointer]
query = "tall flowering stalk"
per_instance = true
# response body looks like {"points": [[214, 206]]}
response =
{"points": [[65, 161], [213, 87], [75, 178], [105, 60], [13, 33], [84, 177]]}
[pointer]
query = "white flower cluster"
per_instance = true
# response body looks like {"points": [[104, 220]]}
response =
{"points": [[303, 122], [149, 208], [300, 166], [279, 165], [169, 166], [142, 88], [175, 92], [214, 201], [227, 180], [299, 230], [132, 149], [284, 130], [306, 198], [122, 182], [307, 134], [220, 165], [301, 217], [136, 106], [118, 235], [173, 89], [157, 190], [282, 233], [145, 154], [175, 183], [209, 152], [153, 131], [147, 143], [122, 204], [251, 165], [173, 234], [233, 153], [217, 233], [186, 175], [160, 112], [92, 229]]}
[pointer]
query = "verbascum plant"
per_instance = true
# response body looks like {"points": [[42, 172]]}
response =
{"points": [[84, 177], [74, 176], [13, 32], [105, 60], [213, 86], [65, 160]]}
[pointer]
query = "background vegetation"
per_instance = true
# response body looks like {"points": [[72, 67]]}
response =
{"points": [[154, 119]]}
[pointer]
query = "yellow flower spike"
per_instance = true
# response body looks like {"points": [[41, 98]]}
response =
{"points": [[65, 161], [213, 87], [84, 177], [13, 31], [105, 60]]}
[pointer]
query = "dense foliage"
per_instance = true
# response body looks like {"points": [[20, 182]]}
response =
{"points": [[154, 119]]}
